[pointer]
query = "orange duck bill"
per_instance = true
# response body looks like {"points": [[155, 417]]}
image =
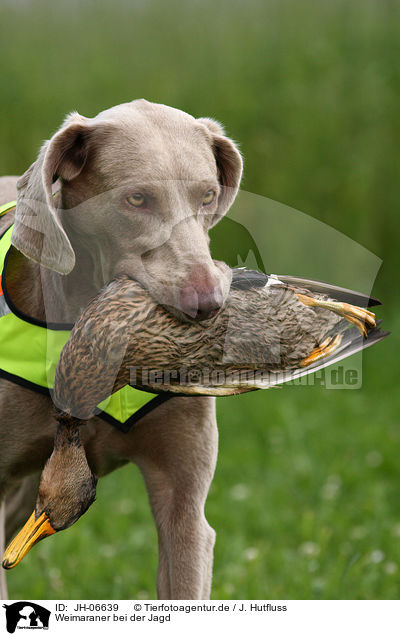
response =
{"points": [[33, 531]]}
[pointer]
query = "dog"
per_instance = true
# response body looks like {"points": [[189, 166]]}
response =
{"points": [[131, 191]]}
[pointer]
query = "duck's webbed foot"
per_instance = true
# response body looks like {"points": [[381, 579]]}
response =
{"points": [[327, 347], [357, 316]]}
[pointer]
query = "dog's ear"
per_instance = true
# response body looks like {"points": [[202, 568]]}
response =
{"points": [[37, 231], [229, 163]]}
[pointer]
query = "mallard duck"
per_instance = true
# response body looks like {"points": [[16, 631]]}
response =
{"points": [[271, 330]]}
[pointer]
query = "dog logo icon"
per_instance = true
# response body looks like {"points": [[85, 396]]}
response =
{"points": [[26, 615]]}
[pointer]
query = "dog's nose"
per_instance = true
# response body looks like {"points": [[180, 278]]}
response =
{"points": [[201, 295], [201, 304]]}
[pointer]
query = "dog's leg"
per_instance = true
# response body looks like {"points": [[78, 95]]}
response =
{"points": [[20, 503], [177, 459], [3, 583]]}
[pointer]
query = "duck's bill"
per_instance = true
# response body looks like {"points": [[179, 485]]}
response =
{"points": [[33, 531]]}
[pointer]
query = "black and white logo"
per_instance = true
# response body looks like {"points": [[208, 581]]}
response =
{"points": [[26, 615]]}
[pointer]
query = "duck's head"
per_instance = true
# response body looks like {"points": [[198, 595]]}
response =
{"points": [[67, 489]]}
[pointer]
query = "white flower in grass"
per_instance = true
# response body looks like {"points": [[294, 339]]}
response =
{"points": [[309, 549], [143, 595], [358, 532], [376, 556], [302, 464], [373, 459], [108, 551], [125, 506], [250, 554], [239, 492], [390, 567], [55, 578], [396, 530], [318, 584], [331, 488]]}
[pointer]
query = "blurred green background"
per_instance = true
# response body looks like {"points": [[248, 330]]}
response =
{"points": [[305, 499]]}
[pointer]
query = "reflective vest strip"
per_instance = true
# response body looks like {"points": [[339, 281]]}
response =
{"points": [[7, 207]]}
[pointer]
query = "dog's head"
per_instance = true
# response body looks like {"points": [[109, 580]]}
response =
{"points": [[140, 185]]}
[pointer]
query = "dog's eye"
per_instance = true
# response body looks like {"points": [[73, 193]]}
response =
{"points": [[137, 200], [209, 197]]}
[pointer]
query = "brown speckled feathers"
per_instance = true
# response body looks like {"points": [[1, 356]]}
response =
{"points": [[266, 326]]}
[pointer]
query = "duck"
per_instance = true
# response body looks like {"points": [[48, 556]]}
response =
{"points": [[67, 489], [271, 330]]}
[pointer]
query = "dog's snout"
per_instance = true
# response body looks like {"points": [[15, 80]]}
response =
{"points": [[201, 305], [201, 297]]}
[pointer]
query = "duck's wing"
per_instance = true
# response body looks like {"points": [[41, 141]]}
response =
{"points": [[352, 342], [340, 294], [247, 279]]}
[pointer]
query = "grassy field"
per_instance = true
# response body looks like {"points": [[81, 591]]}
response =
{"points": [[305, 497]]}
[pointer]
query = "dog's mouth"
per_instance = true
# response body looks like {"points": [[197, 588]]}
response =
{"points": [[190, 318], [197, 312]]}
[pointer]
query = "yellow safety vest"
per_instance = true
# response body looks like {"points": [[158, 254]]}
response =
{"points": [[30, 350]]}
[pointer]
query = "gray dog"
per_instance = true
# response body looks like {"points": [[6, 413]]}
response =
{"points": [[133, 190]]}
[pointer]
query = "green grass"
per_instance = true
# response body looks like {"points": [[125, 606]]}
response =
{"points": [[305, 497]]}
